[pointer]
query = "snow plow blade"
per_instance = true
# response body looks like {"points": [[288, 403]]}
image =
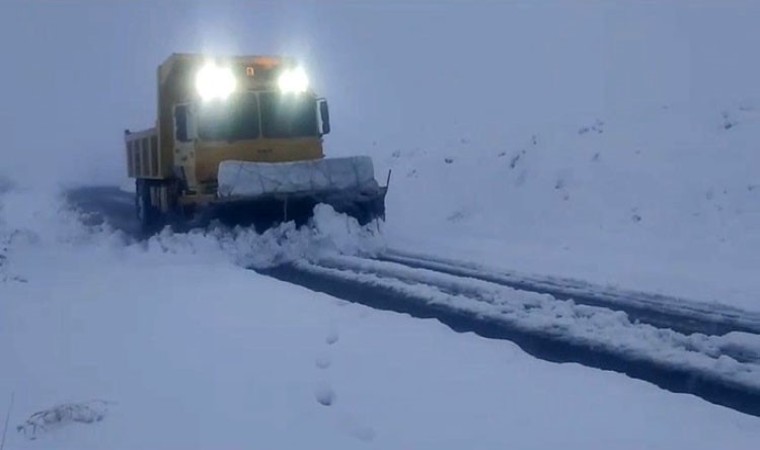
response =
{"points": [[266, 193]]}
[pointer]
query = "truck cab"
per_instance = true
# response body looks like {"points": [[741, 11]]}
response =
{"points": [[212, 111]]}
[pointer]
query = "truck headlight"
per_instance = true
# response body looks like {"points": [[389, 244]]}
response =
{"points": [[214, 82], [293, 80]]}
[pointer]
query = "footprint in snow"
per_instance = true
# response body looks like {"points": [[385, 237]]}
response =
{"points": [[332, 337], [356, 428], [325, 395], [323, 362]]}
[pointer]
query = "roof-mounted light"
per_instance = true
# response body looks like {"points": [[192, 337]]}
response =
{"points": [[293, 81], [214, 82]]}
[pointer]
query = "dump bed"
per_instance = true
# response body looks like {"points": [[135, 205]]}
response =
{"points": [[144, 155]]}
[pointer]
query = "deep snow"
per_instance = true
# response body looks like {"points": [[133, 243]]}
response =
{"points": [[615, 143], [180, 347], [665, 199]]}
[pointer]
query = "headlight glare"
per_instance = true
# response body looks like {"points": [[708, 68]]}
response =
{"points": [[293, 80], [214, 82]]}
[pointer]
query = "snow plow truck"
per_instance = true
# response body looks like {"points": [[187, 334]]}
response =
{"points": [[240, 139]]}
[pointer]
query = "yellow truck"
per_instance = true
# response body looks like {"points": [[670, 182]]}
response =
{"points": [[240, 139]]}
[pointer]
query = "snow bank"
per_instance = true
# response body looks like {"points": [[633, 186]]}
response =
{"points": [[665, 199], [731, 359], [743, 345], [128, 186], [329, 233], [38, 217], [39, 220]]}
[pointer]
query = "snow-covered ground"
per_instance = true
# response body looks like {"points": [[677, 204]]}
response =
{"points": [[665, 199], [172, 344], [614, 143]]}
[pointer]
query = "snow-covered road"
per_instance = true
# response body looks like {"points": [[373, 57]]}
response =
{"points": [[685, 316], [108, 341], [721, 369], [709, 350], [214, 356]]}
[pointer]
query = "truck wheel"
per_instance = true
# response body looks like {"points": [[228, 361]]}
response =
{"points": [[148, 215]]}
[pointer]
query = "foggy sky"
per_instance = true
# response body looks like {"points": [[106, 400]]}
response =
{"points": [[75, 74]]}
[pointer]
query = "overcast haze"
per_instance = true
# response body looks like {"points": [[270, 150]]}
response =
{"points": [[76, 73]]}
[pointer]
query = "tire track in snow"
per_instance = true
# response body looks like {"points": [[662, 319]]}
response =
{"points": [[548, 328], [658, 310], [485, 291]]}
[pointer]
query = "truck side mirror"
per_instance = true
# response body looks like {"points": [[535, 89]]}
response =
{"points": [[324, 114]]}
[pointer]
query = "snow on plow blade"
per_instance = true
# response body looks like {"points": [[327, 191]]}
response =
{"points": [[270, 192]]}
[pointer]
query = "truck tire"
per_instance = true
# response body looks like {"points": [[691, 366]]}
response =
{"points": [[148, 216]]}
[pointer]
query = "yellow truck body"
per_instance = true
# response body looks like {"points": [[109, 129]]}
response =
{"points": [[176, 163]]}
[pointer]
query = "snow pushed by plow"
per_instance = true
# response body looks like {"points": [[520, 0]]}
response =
{"points": [[731, 359], [328, 233], [42, 218]]}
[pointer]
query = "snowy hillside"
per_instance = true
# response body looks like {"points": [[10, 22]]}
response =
{"points": [[665, 199]]}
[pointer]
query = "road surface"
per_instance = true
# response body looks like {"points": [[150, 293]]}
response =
{"points": [[674, 343]]}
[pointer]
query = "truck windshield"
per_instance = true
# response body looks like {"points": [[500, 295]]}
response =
{"points": [[284, 116], [237, 118]]}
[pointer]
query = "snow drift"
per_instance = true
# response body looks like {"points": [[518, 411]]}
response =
{"points": [[664, 199], [39, 218]]}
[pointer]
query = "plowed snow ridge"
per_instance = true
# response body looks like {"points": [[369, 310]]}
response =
{"points": [[729, 359]]}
